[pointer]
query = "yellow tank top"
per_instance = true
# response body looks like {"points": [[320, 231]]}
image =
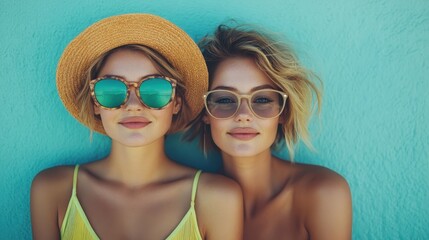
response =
{"points": [[77, 226]]}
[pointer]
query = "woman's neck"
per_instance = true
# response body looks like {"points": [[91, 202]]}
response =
{"points": [[136, 166], [255, 176]]}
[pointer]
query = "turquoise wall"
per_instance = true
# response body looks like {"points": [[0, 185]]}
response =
{"points": [[371, 55]]}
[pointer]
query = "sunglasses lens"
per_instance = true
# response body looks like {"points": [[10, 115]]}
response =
{"points": [[221, 104], [267, 104], [110, 93], [156, 92]]}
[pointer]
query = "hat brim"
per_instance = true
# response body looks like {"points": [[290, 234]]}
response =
{"points": [[144, 29]]}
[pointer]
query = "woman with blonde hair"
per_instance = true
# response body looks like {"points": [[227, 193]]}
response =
{"points": [[133, 77], [259, 98]]}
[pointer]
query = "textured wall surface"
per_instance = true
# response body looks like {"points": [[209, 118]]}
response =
{"points": [[371, 55]]}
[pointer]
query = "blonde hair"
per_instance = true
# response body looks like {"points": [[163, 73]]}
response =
{"points": [[280, 64], [86, 104]]}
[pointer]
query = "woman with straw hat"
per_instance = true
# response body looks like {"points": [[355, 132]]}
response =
{"points": [[133, 77]]}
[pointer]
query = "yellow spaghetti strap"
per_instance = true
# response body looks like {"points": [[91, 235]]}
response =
{"points": [[194, 186], [76, 169]]}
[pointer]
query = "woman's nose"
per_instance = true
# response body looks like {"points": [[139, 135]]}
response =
{"points": [[244, 113], [133, 103]]}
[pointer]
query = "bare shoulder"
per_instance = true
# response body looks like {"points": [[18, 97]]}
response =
{"points": [[217, 193], [54, 176], [50, 191], [219, 205], [319, 181], [54, 181], [324, 200], [216, 187]]}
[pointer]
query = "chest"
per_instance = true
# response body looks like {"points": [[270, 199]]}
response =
{"points": [[114, 213], [281, 218], [274, 226]]}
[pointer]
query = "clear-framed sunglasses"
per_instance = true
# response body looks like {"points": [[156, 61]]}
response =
{"points": [[264, 103]]}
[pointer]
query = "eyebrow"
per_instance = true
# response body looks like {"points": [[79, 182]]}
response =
{"points": [[265, 86]]}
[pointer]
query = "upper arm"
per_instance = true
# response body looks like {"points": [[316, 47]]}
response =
{"points": [[44, 201], [220, 209], [329, 214]]}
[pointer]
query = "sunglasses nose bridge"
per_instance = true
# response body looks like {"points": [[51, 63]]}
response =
{"points": [[244, 107], [132, 86], [133, 89], [245, 99], [133, 102]]}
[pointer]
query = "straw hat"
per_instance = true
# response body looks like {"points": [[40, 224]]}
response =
{"points": [[144, 29]]}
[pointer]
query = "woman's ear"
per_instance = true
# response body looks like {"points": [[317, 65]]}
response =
{"points": [[96, 110], [177, 105], [282, 118], [206, 119]]}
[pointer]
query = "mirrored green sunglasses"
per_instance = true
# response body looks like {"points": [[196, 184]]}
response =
{"points": [[154, 92]]}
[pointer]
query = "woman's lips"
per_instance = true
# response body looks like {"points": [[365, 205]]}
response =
{"points": [[243, 133], [134, 122]]}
